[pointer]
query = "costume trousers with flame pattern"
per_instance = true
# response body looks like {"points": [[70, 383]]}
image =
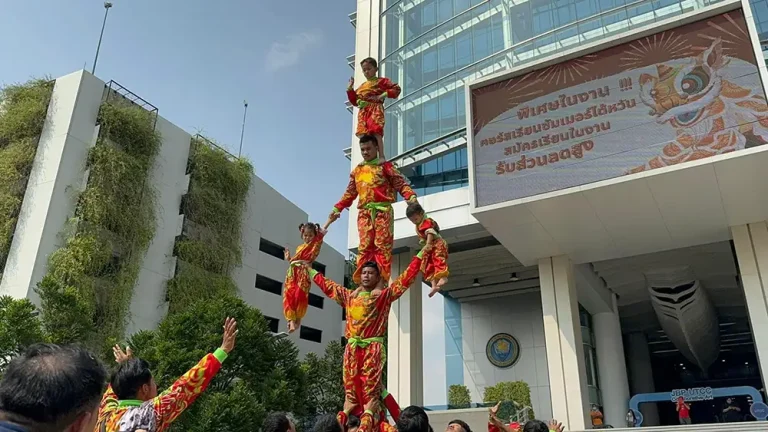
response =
{"points": [[296, 295], [363, 371], [376, 241]]}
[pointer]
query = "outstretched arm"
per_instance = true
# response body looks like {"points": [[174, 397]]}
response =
{"points": [[334, 291], [399, 182], [405, 280], [172, 402], [351, 94], [346, 199]]}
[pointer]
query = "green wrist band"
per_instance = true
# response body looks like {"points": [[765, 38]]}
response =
{"points": [[220, 355]]}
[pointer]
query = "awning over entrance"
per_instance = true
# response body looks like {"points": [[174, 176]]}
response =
{"points": [[657, 210]]}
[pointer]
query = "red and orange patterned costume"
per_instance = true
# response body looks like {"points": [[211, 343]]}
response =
{"points": [[157, 414], [370, 117], [368, 423], [367, 317], [374, 185], [297, 283], [435, 263]]}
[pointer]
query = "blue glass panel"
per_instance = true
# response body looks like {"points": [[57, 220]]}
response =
{"points": [[448, 117], [428, 14], [444, 10]]}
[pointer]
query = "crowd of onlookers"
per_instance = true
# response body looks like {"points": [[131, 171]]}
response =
{"points": [[60, 388]]}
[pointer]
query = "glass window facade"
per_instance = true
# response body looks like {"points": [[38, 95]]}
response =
{"points": [[432, 47], [590, 356]]}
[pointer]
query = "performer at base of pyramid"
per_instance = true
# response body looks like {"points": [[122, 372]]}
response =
{"points": [[367, 317], [369, 98], [375, 185]]}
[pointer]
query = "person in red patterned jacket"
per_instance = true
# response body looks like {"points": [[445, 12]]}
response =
{"points": [[131, 402]]}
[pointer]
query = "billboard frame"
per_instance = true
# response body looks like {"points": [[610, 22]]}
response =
{"points": [[591, 48]]}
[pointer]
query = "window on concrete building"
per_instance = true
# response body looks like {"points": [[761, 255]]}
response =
{"points": [[270, 248], [320, 268], [316, 300], [311, 334], [269, 285], [272, 323]]}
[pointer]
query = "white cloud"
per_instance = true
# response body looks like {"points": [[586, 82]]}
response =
{"points": [[288, 52]]}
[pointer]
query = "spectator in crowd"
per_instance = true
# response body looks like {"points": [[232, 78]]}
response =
{"points": [[51, 388], [353, 424], [413, 419], [279, 422], [327, 423], [131, 402], [496, 425], [731, 411], [458, 426], [683, 411], [596, 415]]}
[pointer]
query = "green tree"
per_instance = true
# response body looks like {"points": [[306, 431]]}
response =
{"points": [[513, 395], [19, 328], [458, 396], [261, 374], [325, 386]]}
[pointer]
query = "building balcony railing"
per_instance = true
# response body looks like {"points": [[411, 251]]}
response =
{"points": [[353, 19]]}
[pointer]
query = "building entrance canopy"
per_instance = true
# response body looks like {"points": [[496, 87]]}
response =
{"points": [[651, 142]]}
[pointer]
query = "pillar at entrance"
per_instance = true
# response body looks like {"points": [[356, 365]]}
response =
{"points": [[405, 370], [611, 366], [641, 373], [751, 245], [565, 352]]}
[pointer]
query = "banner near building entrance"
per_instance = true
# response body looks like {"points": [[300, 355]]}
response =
{"points": [[679, 95]]}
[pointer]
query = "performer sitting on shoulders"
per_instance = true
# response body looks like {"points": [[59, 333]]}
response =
{"points": [[297, 283], [370, 98], [434, 265]]}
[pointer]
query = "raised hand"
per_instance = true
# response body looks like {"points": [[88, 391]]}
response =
{"points": [[333, 217], [287, 254], [351, 83], [349, 405], [230, 334], [556, 426], [120, 355], [372, 405]]}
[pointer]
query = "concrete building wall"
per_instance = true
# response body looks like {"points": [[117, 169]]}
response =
{"points": [[520, 316], [59, 174]]}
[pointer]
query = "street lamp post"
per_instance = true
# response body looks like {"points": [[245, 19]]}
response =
{"points": [[242, 131], [107, 6]]}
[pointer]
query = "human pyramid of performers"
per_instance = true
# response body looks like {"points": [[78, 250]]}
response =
{"points": [[375, 183]]}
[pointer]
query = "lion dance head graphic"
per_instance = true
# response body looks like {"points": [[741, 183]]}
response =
{"points": [[710, 114]]}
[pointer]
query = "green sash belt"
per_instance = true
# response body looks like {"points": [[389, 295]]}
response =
{"points": [[358, 342], [376, 207]]}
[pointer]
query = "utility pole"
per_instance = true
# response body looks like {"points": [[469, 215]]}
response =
{"points": [[107, 6], [242, 131]]}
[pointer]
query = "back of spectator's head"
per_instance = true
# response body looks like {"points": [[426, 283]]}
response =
{"points": [[353, 423], [535, 426], [53, 388], [327, 423], [413, 419], [458, 426], [278, 422], [133, 380]]}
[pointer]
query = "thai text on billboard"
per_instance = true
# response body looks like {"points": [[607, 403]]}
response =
{"points": [[676, 96]]}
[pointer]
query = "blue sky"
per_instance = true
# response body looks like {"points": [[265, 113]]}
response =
{"points": [[197, 60]]}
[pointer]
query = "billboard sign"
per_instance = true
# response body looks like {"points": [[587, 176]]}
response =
{"points": [[679, 95]]}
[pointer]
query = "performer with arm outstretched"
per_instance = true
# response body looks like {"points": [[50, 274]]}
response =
{"points": [[367, 318], [297, 283], [375, 185], [369, 98]]}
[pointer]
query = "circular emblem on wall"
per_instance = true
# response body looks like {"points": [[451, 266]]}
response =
{"points": [[502, 350]]}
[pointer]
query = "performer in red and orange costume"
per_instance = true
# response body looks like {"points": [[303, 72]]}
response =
{"points": [[370, 98], [297, 283], [144, 409], [367, 311], [434, 267], [374, 184]]}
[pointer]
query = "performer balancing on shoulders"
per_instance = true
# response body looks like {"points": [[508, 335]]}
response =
{"points": [[131, 402], [374, 184], [370, 97], [434, 265], [297, 283], [367, 317]]}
